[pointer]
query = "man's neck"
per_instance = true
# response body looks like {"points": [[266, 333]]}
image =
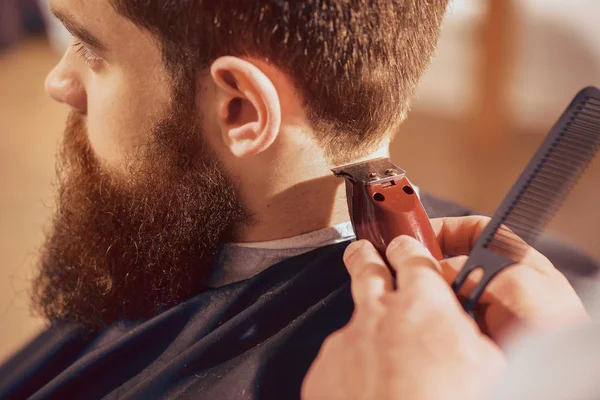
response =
{"points": [[314, 201]]}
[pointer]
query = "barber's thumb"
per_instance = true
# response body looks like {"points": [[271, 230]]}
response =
{"points": [[410, 259]]}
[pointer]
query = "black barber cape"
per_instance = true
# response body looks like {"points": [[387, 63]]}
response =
{"points": [[253, 339]]}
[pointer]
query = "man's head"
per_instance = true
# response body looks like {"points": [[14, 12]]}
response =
{"points": [[354, 64], [184, 114]]}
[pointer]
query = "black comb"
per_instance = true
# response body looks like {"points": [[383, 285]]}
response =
{"points": [[538, 193]]}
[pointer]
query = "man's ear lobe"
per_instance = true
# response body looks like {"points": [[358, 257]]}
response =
{"points": [[249, 110]]}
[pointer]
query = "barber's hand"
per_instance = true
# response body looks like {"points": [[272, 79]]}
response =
{"points": [[532, 294], [415, 342]]}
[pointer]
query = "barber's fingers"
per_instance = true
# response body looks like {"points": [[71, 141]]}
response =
{"points": [[450, 269], [458, 235], [418, 276], [519, 275], [370, 277], [411, 260]]}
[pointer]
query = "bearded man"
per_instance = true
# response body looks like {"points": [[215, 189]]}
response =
{"points": [[196, 249]]}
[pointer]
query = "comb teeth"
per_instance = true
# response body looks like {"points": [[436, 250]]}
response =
{"points": [[548, 178]]}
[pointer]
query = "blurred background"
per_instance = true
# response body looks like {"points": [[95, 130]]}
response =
{"points": [[504, 71]]}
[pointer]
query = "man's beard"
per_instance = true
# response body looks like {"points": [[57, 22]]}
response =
{"points": [[128, 246]]}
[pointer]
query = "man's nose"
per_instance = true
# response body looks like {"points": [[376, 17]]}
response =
{"points": [[65, 87]]}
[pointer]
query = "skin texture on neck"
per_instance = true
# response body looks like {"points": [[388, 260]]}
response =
{"points": [[310, 199]]}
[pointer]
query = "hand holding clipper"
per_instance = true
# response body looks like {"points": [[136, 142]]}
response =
{"points": [[383, 205]]}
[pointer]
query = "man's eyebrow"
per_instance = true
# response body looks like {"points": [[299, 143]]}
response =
{"points": [[78, 30]]}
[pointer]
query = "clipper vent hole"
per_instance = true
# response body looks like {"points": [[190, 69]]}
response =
{"points": [[378, 197], [408, 190]]}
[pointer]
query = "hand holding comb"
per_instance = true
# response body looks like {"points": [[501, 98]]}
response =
{"points": [[538, 193]]}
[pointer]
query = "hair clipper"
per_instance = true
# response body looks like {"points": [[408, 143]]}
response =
{"points": [[383, 205]]}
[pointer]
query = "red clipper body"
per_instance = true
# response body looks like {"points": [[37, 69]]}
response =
{"points": [[383, 205]]}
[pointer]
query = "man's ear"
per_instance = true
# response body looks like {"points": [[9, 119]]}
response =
{"points": [[249, 110]]}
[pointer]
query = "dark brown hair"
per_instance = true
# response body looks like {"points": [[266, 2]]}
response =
{"points": [[354, 62]]}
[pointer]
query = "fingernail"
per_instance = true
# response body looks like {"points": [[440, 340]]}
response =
{"points": [[353, 248], [408, 243]]}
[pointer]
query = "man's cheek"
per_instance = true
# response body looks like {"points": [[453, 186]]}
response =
{"points": [[115, 133], [102, 136]]}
